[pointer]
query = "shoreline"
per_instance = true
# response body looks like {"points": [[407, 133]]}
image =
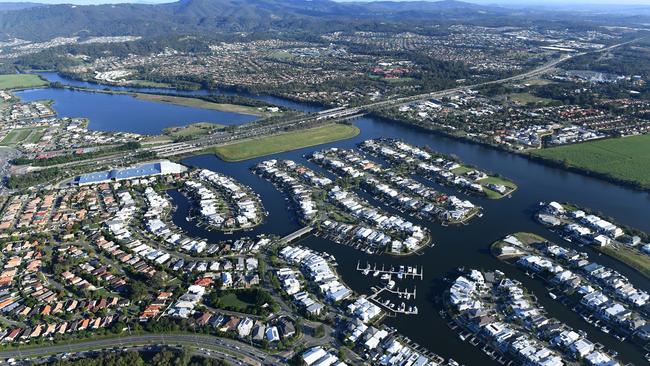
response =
{"points": [[526, 154]]}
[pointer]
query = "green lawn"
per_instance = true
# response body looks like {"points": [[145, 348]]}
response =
{"points": [[20, 81], [500, 181], [285, 142], [632, 257], [282, 55], [149, 84], [35, 136], [524, 238], [23, 135], [527, 98], [200, 103], [538, 82], [462, 170], [192, 130], [230, 300], [626, 158]]}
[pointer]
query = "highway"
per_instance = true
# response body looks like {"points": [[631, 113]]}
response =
{"points": [[255, 130], [231, 350]]}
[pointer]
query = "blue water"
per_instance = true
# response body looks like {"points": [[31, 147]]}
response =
{"points": [[302, 107], [119, 112]]}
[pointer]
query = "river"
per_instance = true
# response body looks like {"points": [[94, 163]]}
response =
{"points": [[456, 246]]}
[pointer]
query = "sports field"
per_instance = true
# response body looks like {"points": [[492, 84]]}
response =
{"points": [[625, 158], [29, 135]]}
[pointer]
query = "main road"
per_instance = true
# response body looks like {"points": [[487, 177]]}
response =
{"points": [[233, 350]]}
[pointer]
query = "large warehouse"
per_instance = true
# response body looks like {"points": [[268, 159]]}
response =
{"points": [[145, 170]]}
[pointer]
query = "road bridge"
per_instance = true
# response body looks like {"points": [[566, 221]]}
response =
{"points": [[297, 234]]}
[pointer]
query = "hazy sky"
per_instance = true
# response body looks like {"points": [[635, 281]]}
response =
{"points": [[517, 2]]}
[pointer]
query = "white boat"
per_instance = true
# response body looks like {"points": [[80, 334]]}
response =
{"points": [[390, 285], [552, 295], [385, 276], [376, 273], [366, 271]]}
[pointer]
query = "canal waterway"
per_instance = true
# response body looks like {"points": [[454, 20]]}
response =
{"points": [[455, 246]]}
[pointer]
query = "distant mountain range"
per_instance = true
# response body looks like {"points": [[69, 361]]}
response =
{"points": [[204, 16], [40, 22], [17, 6]]}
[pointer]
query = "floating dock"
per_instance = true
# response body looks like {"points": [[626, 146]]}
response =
{"points": [[401, 272], [392, 311]]}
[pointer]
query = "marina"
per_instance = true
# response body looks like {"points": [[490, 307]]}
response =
{"points": [[392, 309], [401, 272]]}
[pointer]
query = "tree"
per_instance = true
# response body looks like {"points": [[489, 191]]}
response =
{"points": [[320, 331], [137, 291]]}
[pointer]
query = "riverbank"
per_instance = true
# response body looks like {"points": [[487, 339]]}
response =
{"points": [[200, 103], [294, 140]]}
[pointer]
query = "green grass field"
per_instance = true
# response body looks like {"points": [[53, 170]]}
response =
{"points": [[231, 300], [20, 81], [499, 181], [527, 98], [149, 84], [632, 257], [524, 238], [23, 135], [192, 130], [626, 158], [285, 142], [199, 103], [462, 170]]}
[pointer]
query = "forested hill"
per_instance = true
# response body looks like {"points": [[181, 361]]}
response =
{"points": [[206, 16]]}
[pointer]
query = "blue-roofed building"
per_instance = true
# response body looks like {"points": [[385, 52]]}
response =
{"points": [[139, 171]]}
